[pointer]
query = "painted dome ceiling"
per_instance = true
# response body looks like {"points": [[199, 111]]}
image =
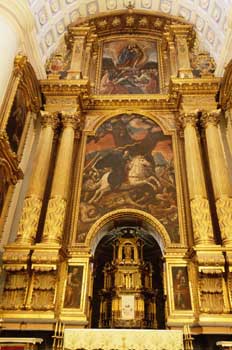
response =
{"points": [[210, 18]]}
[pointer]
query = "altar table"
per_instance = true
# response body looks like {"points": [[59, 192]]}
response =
{"points": [[122, 339], [19, 343]]}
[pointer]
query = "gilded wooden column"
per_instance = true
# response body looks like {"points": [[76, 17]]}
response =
{"points": [[228, 115], [219, 173], [201, 218], [33, 202], [55, 216], [182, 33]]}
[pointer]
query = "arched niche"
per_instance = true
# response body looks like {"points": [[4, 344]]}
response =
{"points": [[122, 216], [128, 227]]}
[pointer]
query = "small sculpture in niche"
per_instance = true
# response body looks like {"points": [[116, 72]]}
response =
{"points": [[128, 252], [202, 64], [59, 63]]}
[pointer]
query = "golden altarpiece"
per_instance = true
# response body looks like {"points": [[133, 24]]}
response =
{"points": [[129, 139]]}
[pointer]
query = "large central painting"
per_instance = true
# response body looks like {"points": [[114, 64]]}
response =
{"points": [[129, 67], [129, 164]]}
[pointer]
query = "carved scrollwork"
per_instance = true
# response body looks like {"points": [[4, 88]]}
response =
{"points": [[49, 119], [224, 210], [14, 291], [19, 65], [43, 291], [188, 118], [202, 226], [210, 118], [71, 119], [55, 219], [29, 219], [211, 293]]}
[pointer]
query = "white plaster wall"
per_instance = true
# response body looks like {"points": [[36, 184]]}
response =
{"points": [[9, 44]]}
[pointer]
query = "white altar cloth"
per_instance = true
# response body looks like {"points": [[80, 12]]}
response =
{"points": [[122, 339]]}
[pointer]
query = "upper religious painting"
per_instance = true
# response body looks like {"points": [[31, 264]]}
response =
{"points": [[129, 66]]}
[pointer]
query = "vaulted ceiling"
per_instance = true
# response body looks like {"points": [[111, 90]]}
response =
{"points": [[210, 18]]}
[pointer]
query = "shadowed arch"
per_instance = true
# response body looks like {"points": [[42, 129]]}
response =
{"points": [[162, 123], [158, 231]]}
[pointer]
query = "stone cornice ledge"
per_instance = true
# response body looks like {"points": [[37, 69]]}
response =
{"points": [[195, 86]]}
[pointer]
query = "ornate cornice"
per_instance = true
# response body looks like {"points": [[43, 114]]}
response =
{"points": [[65, 87], [54, 89], [157, 102], [128, 21], [195, 86]]}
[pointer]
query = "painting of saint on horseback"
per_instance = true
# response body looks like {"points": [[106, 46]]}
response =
{"points": [[129, 164]]}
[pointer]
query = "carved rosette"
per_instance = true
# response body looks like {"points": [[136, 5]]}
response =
{"points": [[210, 118], [202, 226], [53, 229], [29, 220], [224, 211], [49, 119]]}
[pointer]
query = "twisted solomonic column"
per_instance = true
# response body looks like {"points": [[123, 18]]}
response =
{"points": [[219, 173], [200, 211], [33, 202], [54, 222]]}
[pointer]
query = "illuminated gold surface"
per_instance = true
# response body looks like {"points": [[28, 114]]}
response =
{"points": [[28, 295]]}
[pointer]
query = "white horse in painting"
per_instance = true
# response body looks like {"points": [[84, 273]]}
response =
{"points": [[140, 172]]}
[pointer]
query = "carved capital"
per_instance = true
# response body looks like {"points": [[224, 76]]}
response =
{"points": [[224, 211], [49, 119], [210, 118], [54, 223], [202, 225], [188, 118], [71, 120], [29, 220]]}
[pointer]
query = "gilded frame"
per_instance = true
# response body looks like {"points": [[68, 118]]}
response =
{"points": [[168, 127], [79, 312], [173, 312], [156, 39]]}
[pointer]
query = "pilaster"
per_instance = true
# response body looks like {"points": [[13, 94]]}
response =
{"points": [[181, 35]]}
